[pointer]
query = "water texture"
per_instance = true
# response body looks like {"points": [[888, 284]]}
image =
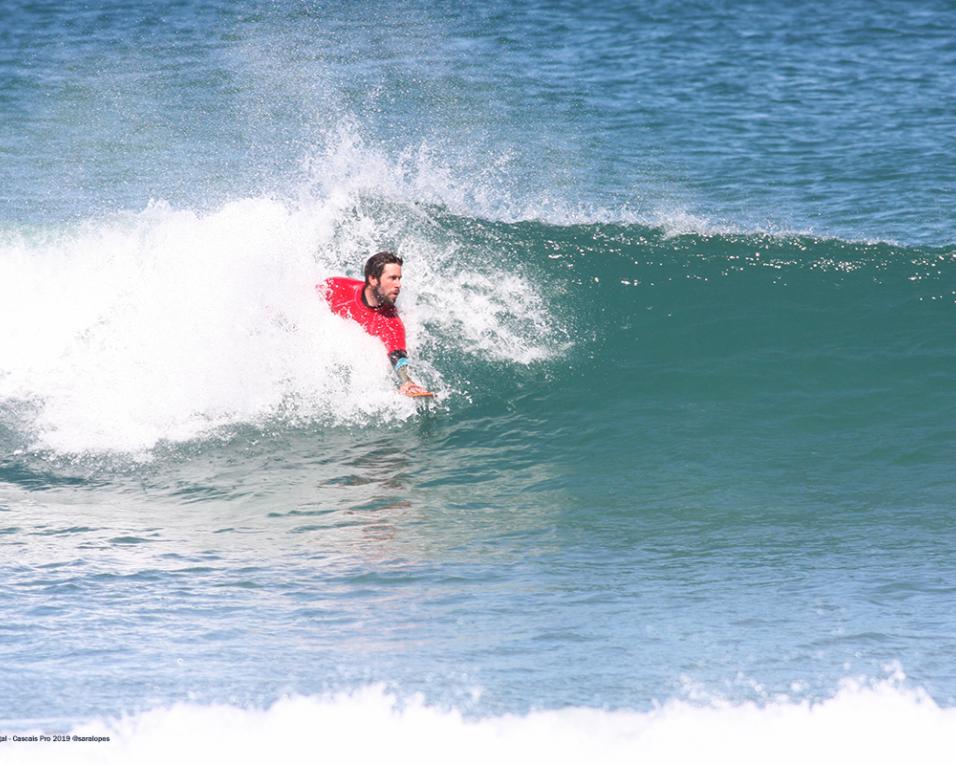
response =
{"points": [[683, 277]]}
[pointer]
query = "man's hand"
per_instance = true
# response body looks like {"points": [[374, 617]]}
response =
{"points": [[411, 389]]}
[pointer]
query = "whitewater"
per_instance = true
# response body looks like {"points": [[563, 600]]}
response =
{"points": [[877, 725]]}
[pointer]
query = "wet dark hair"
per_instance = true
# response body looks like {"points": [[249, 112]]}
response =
{"points": [[376, 264]]}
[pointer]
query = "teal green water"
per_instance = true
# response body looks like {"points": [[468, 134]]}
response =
{"points": [[683, 277], [735, 479]]}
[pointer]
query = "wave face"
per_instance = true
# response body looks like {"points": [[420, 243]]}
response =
{"points": [[684, 280], [167, 326]]}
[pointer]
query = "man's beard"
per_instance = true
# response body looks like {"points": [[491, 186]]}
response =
{"points": [[382, 298]]}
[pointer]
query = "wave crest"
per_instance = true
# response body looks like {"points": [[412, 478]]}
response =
{"points": [[169, 324]]}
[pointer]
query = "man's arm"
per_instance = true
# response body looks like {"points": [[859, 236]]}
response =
{"points": [[408, 386]]}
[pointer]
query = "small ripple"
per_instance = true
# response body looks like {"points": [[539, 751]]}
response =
{"points": [[385, 503], [64, 532], [45, 610], [37, 480], [301, 513], [57, 587], [242, 585], [215, 636], [857, 638], [146, 575], [198, 493], [899, 591], [61, 564], [349, 480]]}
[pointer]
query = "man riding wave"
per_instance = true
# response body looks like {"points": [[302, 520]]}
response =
{"points": [[372, 305]]}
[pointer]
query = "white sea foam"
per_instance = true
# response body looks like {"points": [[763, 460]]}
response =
{"points": [[168, 324], [490, 186], [880, 724], [487, 186]]}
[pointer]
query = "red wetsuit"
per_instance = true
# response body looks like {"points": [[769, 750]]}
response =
{"points": [[346, 298]]}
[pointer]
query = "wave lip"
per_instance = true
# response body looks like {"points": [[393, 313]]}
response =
{"points": [[876, 724]]}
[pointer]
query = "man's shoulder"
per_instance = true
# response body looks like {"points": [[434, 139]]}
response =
{"points": [[341, 282], [338, 288]]}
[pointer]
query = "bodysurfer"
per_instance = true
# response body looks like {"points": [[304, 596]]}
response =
{"points": [[372, 305]]}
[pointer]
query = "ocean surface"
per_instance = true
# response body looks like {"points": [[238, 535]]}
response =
{"points": [[683, 276]]}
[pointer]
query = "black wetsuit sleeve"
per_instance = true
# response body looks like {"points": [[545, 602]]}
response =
{"points": [[396, 356]]}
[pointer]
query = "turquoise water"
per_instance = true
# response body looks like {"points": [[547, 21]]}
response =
{"points": [[683, 277]]}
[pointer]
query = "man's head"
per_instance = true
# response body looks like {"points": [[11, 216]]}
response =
{"points": [[383, 273]]}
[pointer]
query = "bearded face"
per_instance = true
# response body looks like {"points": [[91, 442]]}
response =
{"points": [[387, 288]]}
